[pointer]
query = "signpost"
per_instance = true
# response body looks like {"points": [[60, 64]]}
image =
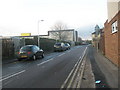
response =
{"points": [[25, 34]]}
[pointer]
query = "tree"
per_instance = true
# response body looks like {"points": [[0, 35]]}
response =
{"points": [[59, 26], [58, 31]]}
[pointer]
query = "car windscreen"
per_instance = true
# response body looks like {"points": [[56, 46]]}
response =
{"points": [[26, 48], [66, 44]]}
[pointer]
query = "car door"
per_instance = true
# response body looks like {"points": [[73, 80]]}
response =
{"points": [[63, 46]]}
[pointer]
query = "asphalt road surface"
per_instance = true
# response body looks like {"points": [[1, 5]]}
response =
{"points": [[49, 72]]}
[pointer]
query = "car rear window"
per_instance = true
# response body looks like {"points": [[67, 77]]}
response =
{"points": [[26, 48], [58, 44]]}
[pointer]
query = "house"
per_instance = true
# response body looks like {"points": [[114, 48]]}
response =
{"points": [[93, 39], [112, 32], [96, 36]]}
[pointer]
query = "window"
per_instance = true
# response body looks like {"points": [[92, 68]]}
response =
{"points": [[114, 27], [26, 48], [36, 48]]}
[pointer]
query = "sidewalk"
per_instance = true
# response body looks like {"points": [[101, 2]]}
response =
{"points": [[99, 68], [108, 68], [6, 61]]}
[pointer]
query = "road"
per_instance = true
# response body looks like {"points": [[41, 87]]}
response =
{"points": [[49, 72]]}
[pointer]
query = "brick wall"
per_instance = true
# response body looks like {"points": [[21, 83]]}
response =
{"points": [[119, 38], [102, 42], [112, 48]]}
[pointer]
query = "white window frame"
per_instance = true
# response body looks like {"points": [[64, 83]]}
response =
{"points": [[114, 27]]}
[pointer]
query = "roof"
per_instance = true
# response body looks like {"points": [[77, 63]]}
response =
{"points": [[61, 30], [93, 32]]}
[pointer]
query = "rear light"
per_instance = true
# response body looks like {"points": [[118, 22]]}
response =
{"points": [[18, 52], [29, 52]]}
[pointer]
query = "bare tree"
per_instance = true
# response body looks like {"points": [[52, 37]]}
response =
{"points": [[59, 26], [58, 30]]}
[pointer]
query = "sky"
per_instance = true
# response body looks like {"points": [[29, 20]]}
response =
{"points": [[22, 16]]}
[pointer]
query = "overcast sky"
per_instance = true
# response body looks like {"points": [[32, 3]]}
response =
{"points": [[21, 16]]}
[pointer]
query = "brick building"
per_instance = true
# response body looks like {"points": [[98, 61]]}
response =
{"points": [[96, 37], [102, 41], [112, 32]]}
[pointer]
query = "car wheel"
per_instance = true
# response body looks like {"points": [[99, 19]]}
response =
{"points": [[34, 57], [43, 55]]}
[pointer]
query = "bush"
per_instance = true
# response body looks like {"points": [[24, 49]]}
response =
{"points": [[77, 43]]}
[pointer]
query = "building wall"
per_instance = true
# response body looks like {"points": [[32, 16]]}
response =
{"points": [[96, 37], [93, 38], [102, 42], [111, 40], [113, 8], [75, 36], [66, 35], [119, 38]]}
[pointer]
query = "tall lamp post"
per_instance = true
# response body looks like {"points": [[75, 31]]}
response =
{"points": [[38, 32]]}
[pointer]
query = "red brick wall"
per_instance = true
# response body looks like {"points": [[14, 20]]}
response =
{"points": [[119, 38], [111, 41], [102, 43]]}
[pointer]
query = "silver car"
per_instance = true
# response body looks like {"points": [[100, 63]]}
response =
{"points": [[59, 47], [67, 45]]}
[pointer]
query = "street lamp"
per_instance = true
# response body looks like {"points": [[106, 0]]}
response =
{"points": [[38, 32]]}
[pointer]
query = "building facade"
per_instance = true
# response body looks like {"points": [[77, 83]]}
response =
{"points": [[64, 35], [112, 33], [96, 36], [102, 42]]}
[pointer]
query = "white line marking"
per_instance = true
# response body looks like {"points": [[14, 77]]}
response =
{"points": [[79, 57], [6, 75], [45, 61], [61, 54], [12, 75], [70, 74], [79, 61]]}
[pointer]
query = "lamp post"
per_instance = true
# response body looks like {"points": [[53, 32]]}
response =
{"points": [[38, 32]]}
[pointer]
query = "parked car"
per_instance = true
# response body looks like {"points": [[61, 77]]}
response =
{"points": [[30, 52], [59, 47], [67, 45]]}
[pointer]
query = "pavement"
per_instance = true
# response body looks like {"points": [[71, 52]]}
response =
{"points": [[99, 72]]}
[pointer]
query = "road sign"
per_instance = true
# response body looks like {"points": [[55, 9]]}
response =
{"points": [[25, 34]]}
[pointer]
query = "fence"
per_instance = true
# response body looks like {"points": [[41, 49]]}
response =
{"points": [[45, 44], [10, 46], [7, 48]]}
